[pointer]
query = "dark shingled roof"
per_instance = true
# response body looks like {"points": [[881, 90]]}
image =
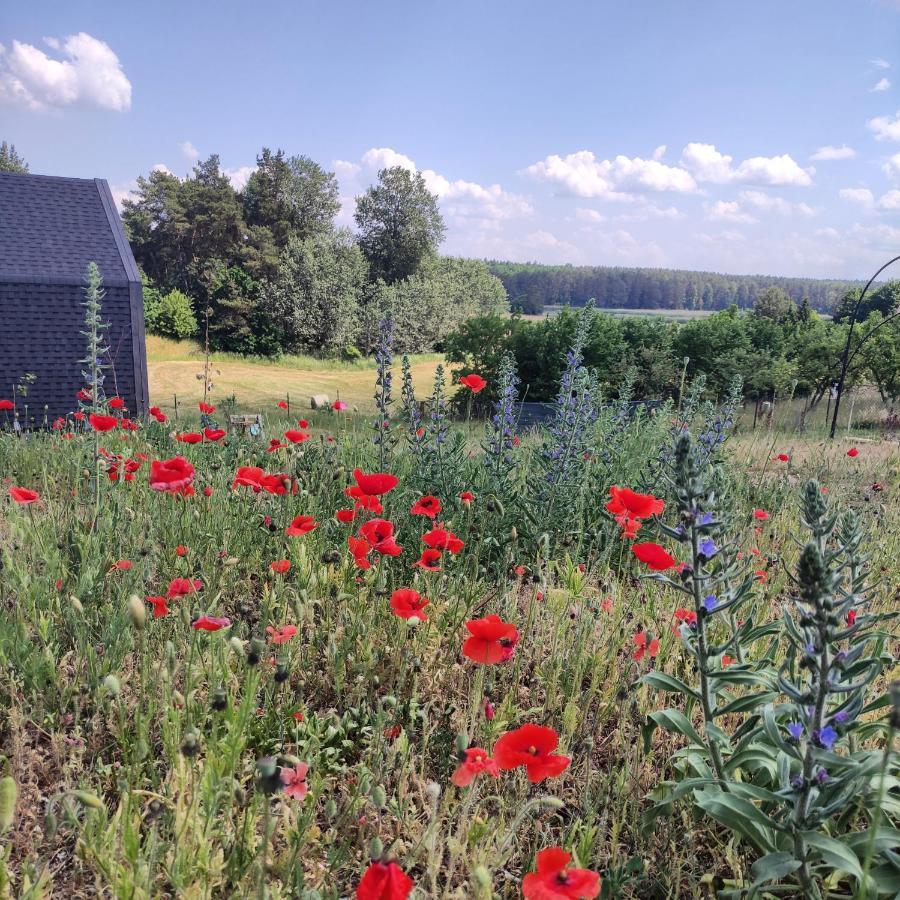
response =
{"points": [[51, 228]]}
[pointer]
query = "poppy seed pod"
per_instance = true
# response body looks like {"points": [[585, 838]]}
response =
{"points": [[190, 745], [281, 673], [378, 797], [376, 848], [257, 648], [268, 779], [219, 700]]}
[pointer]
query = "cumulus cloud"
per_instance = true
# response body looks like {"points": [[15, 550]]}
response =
{"points": [[706, 163], [768, 203], [883, 84], [829, 153], [885, 128], [239, 176], [589, 215], [189, 151], [891, 166], [659, 152], [880, 63], [162, 167], [385, 158], [89, 73], [862, 196], [729, 211], [583, 175], [345, 169], [890, 200]]}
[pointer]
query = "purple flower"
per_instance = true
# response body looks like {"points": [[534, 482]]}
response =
{"points": [[709, 603], [826, 737], [840, 717], [822, 776], [708, 548], [795, 730], [705, 519]]}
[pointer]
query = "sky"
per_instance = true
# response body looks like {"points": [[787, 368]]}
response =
{"points": [[745, 137]]}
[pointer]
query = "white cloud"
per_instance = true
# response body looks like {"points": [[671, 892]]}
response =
{"points": [[829, 153], [345, 169], [189, 151], [122, 192], [890, 200], [239, 176], [583, 175], [728, 211], [891, 166], [706, 163], [162, 167], [589, 215], [659, 152], [648, 211], [89, 74], [885, 128], [880, 63], [385, 158], [862, 196], [883, 84], [768, 203]]}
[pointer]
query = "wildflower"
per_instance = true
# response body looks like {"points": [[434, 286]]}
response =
{"points": [[301, 525], [760, 514], [360, 549], [296, 437], [795, 730], [408, 604], [555, 880], [441, 539], [531, 746], [207, 491], [302, 423], [826, 737], [626, 502], [488, 709], [294, 781], [84, 395], [686, 616], [467, 497], [475, 383], [475, 761], [102, 423], [727, 660], [384, 881], [78, 416], [158, 414], [380, 534], [492, 640], [709, 602], [654, 556], [23, 496], [275, 444], [160, 606], [708, 548], [851, 617], [189, 437], [338, 405], [781, 457], [121, 565], [279, 636], [181, 550], [282, 404], [345, 516], [214, 434], [116, 403], [6, 405], [375, 484], [280, 566], [853, 452], [210, 623], [249, 476], [182, 587], [430, 560], [426, 506], [206, 408], [645, 645], [171, 475]]}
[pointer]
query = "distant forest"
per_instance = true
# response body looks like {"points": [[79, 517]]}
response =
{"points": [[531, 287]]}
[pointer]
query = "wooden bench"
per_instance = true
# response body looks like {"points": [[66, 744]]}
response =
{"points": [[246, 424]]}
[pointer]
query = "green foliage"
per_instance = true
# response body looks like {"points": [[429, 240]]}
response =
{"points": [[774, 303], [884, 299], [237, 322], [170, 315], [10, 161], [399, 224]]}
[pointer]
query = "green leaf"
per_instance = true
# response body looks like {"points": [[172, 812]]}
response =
{"points": [[675, 720], [740, 816], [669, 683], [885, 838], [834, 853], [887, 878], [736, 676], [745, 703], [773, 867]]}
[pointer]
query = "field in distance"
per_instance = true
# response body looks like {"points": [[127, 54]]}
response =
{"points": [[674, 315]]}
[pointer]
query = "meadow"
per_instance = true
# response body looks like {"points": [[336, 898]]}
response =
{"points": [[387, 653]]}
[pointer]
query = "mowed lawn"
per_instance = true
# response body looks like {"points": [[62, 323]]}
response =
{"points": [[175, 370]]}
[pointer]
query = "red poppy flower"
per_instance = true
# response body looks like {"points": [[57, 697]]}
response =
{"points": [[280, 566], [426, 506], [160, 606], [116, 403], [687, 616], [376, 483], [475, 383], [467, 497], [476, 761], [84, 395], [727, 660], [625, 501], [407, 604], [296, 437], [102, 423], [301, 525], [23, 496], [555, 880], [278, 484], [384, 881], [852, 452], [654, 556], [851, 617], [345, 515], [6, 405], [531, 746], [171, 475], [279, 636], [302, 423], [782, 457], [214, 434], [760, 514], [181, 587], [360, 549], [645, 645], [158, 414], [441, 539], [181, 550], [430, 560], [492, 640], [294, 781], [370, 504], [210, 623], [121, 565], [189, 437], [206, 408], [282, 404], [249, 476], [338, 405]]}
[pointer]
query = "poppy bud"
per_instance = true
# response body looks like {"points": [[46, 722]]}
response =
{"points": [[462, 744], [240, 795], [482, 879], [51, 824], [378, 797], [513, 534], [257, 648], [281, 673], [330, 808], [219, 699], [268, 779], [75, 603], [111, 685], [190, 745], [7, 803], [89, 799], [137, 612], [236, 645], [376, 848], [489, 711], [389, 700], [433, 791]]}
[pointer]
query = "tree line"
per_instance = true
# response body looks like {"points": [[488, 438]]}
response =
{"points": [[265, 270], [532, 286], [778, 348]]}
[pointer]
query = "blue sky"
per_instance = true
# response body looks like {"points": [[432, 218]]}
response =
{"points": [[747, 137]]}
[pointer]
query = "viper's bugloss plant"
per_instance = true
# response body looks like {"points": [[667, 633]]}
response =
{"points": [[412, 414], [384, 437], [500, 437]]}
